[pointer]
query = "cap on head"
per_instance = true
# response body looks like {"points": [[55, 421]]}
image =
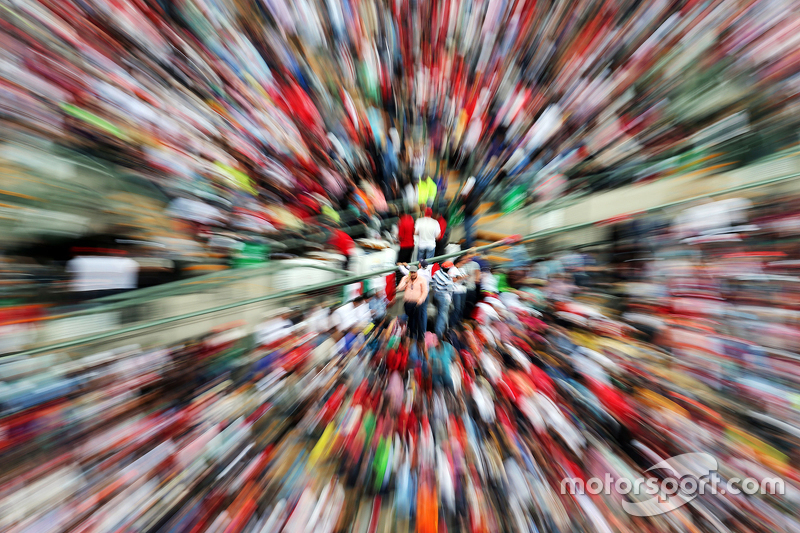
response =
{"points": [[428, 211], [423, 264], [412, 268], [447, 264]]}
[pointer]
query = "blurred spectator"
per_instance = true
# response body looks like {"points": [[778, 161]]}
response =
{"points": [[427, 231], [444, 235], [342, 243], [95, 276], [414, 298], [405, 234]]}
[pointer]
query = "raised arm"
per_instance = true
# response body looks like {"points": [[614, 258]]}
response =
{"points": [[403, 283]]}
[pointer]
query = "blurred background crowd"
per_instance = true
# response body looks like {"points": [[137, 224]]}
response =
{"points": [[167, 166], [343, 417], [202, 126]]}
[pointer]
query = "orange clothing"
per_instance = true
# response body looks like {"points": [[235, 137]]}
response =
{"points": [[427, 509]]}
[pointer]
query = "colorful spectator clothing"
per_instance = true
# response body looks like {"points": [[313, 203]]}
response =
{"points": [[424, 272], [427, 231], [342, 242], [460, 286], [442, 225], [405, 231], [469, 268], [415, 290], [443, 283], [426, 191]]}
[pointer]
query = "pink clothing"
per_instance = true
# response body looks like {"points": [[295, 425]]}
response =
{"points": [[430, 338], [378, 200], [416, 291]]}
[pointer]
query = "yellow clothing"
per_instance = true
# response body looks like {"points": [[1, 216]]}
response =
{"points": [[426, 191]]}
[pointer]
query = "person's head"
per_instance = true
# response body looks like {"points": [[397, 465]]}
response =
{"points": [[447, 264], [428, 212], [412, 272], [423, 264]]}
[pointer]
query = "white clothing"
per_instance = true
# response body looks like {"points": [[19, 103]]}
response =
{"points": [[318, 321], [470, 183], [490, 367], [273, 330], [530, 408], [423, 272], [103, 273], [323, 353], [344, 318], [512, 302], [363, 315], [427, 231], [410, 195], [446, 482], [454, 273], [486, 313], [489, 283], [484, 403]]}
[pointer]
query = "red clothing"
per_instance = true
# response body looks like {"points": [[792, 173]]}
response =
{"points": [[397, 359], [342, 242], [442, 225], [613, 401], [405, 231], [542, 381], [333, 404]]}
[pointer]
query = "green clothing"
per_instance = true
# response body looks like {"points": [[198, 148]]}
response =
{"points": [[380, 461], [369, 427], [502, 283], [394, 342], [333, 215], [94, 120]]}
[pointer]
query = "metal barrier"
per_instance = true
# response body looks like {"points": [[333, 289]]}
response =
{"points": [[248, 303], [136, 310]]}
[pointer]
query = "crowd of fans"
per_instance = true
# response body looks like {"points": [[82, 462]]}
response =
{"points": [[672, 353], [284, 110], [469, 406], [256, 119]]}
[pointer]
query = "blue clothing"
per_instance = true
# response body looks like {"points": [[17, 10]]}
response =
{"points": [[442, 282], [519, 257], [459, 299], [378, 307], [469, 230], [422, 325], [413, 355], [425, 253], [441, 357], [405, 491], [442, 302]]}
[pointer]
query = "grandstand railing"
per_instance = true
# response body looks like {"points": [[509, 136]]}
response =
{"points": [[211, 309]]}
